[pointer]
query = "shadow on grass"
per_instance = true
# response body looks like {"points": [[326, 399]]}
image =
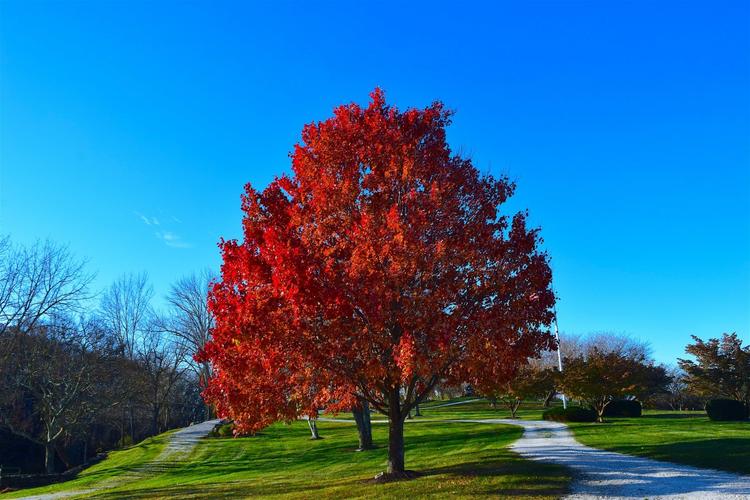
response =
{"points": [[542, 479], [674, 415], [733, 454], [524, 483], [343, 472]]}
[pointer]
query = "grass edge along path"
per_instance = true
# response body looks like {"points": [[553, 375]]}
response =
{"points": [[682, 438], [687, 438]]}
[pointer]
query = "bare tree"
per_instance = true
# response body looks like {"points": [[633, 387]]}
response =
{"points": [[162, 361], [51, 374], [69, 379], [190, 320], [126, 310], [37, 282], [677, 393], [43, 359]]}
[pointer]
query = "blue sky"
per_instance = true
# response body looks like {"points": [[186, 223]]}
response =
{"points": [[128, 129]]}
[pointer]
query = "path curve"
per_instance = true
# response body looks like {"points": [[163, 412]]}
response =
{"points": [[442, 405], [179, 446], [600, 474], [606, 474]]}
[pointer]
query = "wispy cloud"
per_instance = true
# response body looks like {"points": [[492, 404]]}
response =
{"points": [[173, 240], [170, 238], [149, 221]]}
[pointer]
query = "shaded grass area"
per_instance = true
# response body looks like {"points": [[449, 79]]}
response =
{"points": [[117, 464], [460, 460], [435, 402], [475, 410], [529, 410], [686, 438]]}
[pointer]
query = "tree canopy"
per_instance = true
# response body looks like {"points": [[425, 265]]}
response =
{"points": [[610, 367], [381, 266], [721, 367]]}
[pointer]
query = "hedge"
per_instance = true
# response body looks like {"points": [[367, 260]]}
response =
{"points": [[624, 408], [223, 430], [571, 414], [726, 409]]}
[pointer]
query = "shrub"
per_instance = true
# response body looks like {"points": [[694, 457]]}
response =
{"points": [[623, 408], [571, 414], [726, 409], [223, 430]]}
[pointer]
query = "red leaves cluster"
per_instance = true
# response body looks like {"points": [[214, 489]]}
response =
{"points": [[383, 264]]}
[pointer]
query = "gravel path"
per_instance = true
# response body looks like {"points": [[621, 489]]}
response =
{"points": [[180, 444], [452, 404], [605, 474], [602, 474]]}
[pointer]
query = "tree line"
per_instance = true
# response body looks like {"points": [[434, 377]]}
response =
{"points": [[83, 372], [604, 368]]}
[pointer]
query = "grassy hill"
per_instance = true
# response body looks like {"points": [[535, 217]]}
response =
{"points": [[461, 460], [456, 459]]}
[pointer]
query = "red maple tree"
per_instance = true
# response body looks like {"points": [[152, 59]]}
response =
{"points": [[379, 268]]}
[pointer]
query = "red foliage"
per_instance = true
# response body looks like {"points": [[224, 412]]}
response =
{"points": [[380, 267]]}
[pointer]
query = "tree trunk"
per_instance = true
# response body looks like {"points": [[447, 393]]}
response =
{"points": [[364, 425], [49, 458], [122, 429], [548, 398], [600, 411], [514, 408], [313, 428], [395, 434], [132, 424]]}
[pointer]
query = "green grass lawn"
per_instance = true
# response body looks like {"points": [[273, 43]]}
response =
{"points": [[529, 410], [687, 438], [116, 464], [456, 459], [462, 460], [475, 410], [681, 437]]}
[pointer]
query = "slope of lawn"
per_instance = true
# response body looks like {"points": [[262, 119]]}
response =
{"points": [[481, 409], [117, 464], [686, 438], [463, 460]]}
